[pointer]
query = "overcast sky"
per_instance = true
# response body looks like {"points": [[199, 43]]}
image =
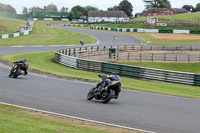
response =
{"points": [[138, 5]]}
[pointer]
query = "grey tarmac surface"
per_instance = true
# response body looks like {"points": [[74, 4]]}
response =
{"points": [[141, 110], [147, 111]]}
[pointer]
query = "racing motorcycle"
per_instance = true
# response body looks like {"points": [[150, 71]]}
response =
{"points": [[101, 93], [15, 70]]}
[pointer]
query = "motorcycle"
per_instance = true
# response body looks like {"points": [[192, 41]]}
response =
{"points": [[15, 70], [101, 93]]}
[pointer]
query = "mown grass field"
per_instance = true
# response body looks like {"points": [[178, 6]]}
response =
{"points": [[16, 120], [193, 17], [8, 25], [43, 61], [185, 17], [48, 36]]}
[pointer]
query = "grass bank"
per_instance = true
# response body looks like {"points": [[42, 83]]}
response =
{"points": [[180, 18], [43, 61], [8, 25], [182, 67], [48, 36], [16, 120]]}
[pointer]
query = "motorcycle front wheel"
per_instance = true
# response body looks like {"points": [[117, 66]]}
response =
{"points": [[90, 95]]}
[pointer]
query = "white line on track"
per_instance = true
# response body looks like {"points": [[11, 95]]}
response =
{"points": [[78, 118]]}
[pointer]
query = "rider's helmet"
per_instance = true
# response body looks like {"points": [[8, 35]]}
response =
{"points": [[25, 59], [113, 73]]}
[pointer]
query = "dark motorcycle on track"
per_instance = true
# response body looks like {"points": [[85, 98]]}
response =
{"points": [[104, 92], [15, 70]]}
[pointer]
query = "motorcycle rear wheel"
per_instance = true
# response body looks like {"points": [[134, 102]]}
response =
{"points": [[16, 74], [107, 95]]}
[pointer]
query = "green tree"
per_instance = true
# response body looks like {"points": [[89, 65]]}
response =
{"points": [[70, 16], [115, 8], [90, 8], [79, 10], [52, 8], [197, 7], [25, 10], [126, 6], [64, 10], [157, 3], [188, 7], [35, 9]]}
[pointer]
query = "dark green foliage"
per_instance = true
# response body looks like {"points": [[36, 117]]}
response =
{"points": [[79, 10], [83, 11], [70, 16], [197, 7], [127, 7], [188, 7], [157, 3], [115, 8]]}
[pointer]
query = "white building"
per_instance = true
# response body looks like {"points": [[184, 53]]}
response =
{"points": [[107, 16]]}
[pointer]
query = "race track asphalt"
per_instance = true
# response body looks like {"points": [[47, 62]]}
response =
{"points": [[141, 110]]}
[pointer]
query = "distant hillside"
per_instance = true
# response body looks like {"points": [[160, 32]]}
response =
{"points": [[10, 25], [180, 18], [7, 8]]}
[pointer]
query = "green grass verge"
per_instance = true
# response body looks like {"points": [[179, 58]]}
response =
{"points": [[8, 25], [43, 61], [182, 67], [48, 36], [16, 120]]}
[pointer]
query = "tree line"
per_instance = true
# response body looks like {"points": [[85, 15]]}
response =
{"points": [[124, 5], [167, 4]]}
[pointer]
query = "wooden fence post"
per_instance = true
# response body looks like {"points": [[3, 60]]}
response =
{"points": [[199, 57], [124, 47], [188, 58], [128, 56], [133, 47], [140, 57], [117, 56], [69, 52], [164, 57], [74, 52], [152, 57], [176, 57]]}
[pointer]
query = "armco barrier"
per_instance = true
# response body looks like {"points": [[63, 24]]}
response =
{"points": [[26, 32], [62, 57]]}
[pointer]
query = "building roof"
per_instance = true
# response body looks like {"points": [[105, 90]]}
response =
{"points": [[180, 10], [155, 10], [107, 14]]}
